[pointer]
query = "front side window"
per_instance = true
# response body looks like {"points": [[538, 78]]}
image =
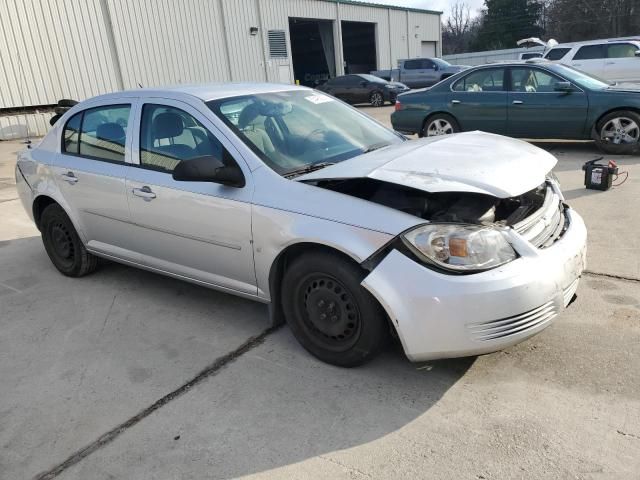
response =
{"points": [[622, 50], [557, 53], [484, 80], [532, 80], [98, 133], [294, 129], [169, 136], [413, 65], [590, 52]]}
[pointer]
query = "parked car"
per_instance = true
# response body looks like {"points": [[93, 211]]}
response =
{"points": [[281, 194], [529, 99], [420, 72], [362, 88], [614, 60]]}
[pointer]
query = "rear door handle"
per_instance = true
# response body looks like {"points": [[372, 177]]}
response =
{"points": [[455, 102], [144, 192], [518, 102], [69, 177]]}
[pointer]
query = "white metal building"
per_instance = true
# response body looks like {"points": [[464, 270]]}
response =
{"points": [[53, 49]]}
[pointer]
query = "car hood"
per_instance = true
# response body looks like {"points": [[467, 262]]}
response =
{"points": [[474, 162], [625, 87]]}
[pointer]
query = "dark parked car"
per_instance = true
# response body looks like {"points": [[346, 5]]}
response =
{"points": [[532, 99], [363, 88]]}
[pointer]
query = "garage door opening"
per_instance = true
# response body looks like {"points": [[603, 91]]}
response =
{"points": [[312, 50], [359, 47]]}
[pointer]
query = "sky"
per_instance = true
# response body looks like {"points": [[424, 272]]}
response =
{"points": [[439, 5]]}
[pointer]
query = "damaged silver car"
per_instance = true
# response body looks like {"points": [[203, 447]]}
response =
{"points": [[457, 245]]}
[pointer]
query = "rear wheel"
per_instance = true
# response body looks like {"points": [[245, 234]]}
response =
{"points": [[63, 245], [619, 132], [376, 99], [330, 313], [439, 124]]}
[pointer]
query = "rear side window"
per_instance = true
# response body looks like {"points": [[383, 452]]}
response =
{"points": [[485, 80], [557, 53], [169, 135], [98, 133], [621, 50], [71, 135], [590, 52]]}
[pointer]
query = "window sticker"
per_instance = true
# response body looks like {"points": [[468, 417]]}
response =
{"points": [[318, 99]]}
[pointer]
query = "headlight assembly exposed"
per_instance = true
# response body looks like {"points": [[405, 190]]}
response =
{"points": [[460, 248]]}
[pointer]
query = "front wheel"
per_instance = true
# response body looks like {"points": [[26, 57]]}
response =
{"points": [[618, 132], [63, 245], [330, 313], [439, 124], [376, 99]]}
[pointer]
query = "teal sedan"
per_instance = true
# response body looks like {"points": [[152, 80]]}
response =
{"points": [[532, 99]]}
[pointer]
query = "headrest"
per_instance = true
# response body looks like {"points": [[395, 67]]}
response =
{"points": [[248, 115], [167, 125], [111, 132]]}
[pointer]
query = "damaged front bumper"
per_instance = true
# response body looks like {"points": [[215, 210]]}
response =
{"points": [[438, 315]]}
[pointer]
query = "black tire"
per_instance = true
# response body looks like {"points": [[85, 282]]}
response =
{"points": [[445, 117], [330, 313], [63, 245], [607, 145], [376, 98], [67, 102]]}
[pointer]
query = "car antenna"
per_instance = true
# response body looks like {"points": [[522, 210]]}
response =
{"points": [[26, 120]]}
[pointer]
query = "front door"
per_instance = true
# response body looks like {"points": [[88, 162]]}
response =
{"points": [[536, 110], [90, 172], [197, 230], [479, 101]]}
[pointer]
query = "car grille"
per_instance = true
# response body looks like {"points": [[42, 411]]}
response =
{"points": [[515, 325], [547, 224]]}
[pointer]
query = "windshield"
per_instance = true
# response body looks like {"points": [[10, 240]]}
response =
{"points": [[441, 63], [373, 78], [582, 79], [297, 129]]}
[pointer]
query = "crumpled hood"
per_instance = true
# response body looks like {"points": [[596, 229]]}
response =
{"points": [[474, 162]]}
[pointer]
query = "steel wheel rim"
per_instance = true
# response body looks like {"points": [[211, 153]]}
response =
{"points": [[331, 318], [376, 99], [439, 126], [62, 244], [620, 131]]}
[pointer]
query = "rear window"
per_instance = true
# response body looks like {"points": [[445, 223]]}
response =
{"points": [[590, 52], [621, 50], [556, 53], [485, 80]]}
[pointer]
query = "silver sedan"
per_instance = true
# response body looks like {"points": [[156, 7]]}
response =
{"points": [[457, 245]]}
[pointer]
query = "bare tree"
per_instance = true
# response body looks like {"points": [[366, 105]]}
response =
{"points": [[457, 28]]}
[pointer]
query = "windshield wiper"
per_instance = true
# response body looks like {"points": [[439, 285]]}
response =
{"points": [[308, 169], [375, 146]]}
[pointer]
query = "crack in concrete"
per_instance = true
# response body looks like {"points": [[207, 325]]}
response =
{"points": [[357, 471], [112, 434], [625, 434], [611, 275]]}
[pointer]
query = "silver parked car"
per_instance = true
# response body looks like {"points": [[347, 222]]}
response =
{"points": [[459, 245]]}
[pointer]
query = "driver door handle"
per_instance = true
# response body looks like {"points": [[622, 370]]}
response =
{"points": [[144, 192], [518, 102], [69, 177]]}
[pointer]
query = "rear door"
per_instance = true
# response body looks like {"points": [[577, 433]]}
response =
{"points": [[198, 230], [90, 172], [536, 110], [589, 59], [622, 64], [479, 100]]}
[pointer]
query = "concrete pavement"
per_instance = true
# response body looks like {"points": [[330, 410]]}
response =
{"points": [[119, 353]]}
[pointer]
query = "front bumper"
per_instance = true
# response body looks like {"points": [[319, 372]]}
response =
{"points": [[438, 315]]}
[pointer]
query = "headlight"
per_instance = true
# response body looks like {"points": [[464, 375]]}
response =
{"points": [[460, 248], [392, 87]]}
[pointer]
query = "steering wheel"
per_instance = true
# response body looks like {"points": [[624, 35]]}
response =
{"points": [[317, 131]]}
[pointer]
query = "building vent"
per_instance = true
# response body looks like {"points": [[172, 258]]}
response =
{"points": [[277, 44]]}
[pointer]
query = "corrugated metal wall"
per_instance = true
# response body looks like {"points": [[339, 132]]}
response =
{"points": [[52, 49]]}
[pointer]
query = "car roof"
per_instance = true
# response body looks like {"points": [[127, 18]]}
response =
{"points": [[205, 92], [596, 42]]}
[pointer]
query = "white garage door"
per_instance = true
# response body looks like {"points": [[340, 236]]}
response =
{"points": [[428, 49]]}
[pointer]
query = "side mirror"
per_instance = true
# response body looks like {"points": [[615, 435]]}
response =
{"points": [[563, 87], [637, 53], [435, 67], [208, 169]]}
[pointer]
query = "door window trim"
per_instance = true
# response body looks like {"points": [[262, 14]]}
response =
{"points": [[82, 112]]}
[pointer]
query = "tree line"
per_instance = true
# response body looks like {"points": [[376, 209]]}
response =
{"points": [[500, 23]]}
